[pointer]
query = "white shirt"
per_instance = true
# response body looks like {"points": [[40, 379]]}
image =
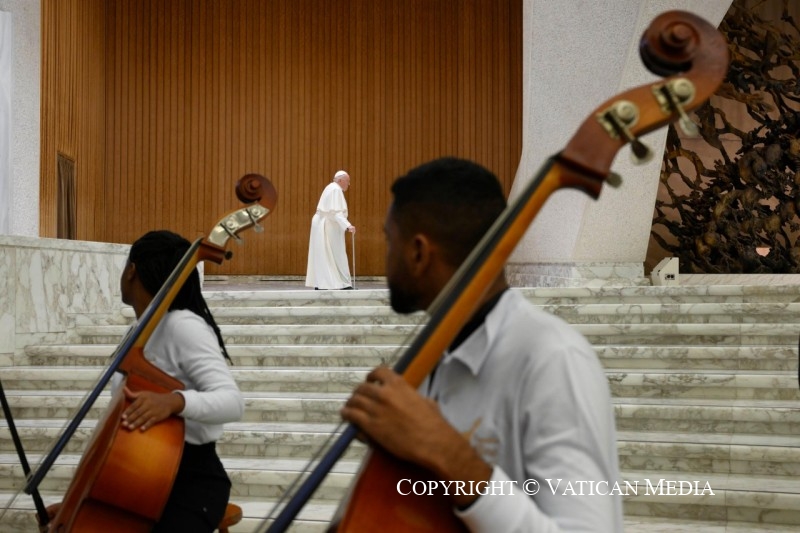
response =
{"points": [[531, 395], [186, 348]]}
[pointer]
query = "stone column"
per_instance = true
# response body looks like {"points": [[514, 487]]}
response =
{"points": [[577, 55], [5, 122], [24, 142]]}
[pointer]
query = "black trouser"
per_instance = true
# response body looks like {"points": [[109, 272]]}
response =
{"points": [[199, 495]]}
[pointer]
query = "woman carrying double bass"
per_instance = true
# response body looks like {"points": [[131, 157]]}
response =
{"points": [[151, 462], [187, 345]]}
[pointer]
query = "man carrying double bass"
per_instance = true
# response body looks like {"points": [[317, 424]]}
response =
{"points": [[519, 400]]}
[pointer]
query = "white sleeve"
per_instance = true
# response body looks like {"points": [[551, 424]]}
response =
{"points": [[214, 397], [342, 220], [333, 205], [501, 511]]}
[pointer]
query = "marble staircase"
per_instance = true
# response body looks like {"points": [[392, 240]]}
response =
{"points": [[704, 384]]}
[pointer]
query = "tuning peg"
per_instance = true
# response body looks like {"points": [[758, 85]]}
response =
{"points": [[672, 96], [617, 121], [640, 152], [614, 180], [258, 228], [232, 223]]}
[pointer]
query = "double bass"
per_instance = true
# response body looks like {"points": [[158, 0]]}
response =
{"points": [[694, 57], [125, 477]]}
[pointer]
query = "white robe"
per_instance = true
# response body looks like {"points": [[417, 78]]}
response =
{"points": [[327, 255]]}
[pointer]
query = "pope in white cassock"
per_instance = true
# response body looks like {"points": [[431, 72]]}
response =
{"points": [[327, 255]]}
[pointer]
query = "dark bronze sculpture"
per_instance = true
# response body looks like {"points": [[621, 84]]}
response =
{"points": [[733, 199]]}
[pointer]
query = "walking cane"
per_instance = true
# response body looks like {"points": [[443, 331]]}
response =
{"points": [[353, 277]]}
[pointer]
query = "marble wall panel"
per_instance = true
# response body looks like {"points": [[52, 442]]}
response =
{"points": [[7, 308], [575, 274], [45, 281], [6, 45]]}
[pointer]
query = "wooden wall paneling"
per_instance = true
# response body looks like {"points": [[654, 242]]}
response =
{"points": [[296, 150], [139, 183], [109, 171], [114, 159], [199, 92], [157, 91], [47, 194], [215, 113], [265, 47], [72, 108], [212, 95], [373, 191], [85, 94], [117, 92], [51, 115], [145, 183], [174, 102], [310, 183]]}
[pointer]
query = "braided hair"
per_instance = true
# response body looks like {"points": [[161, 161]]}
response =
{"points": [[156, 254]]}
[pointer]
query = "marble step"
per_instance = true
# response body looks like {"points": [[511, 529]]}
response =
{"points": [[632, 414], [628, 334], [700, 357], [687, 456], [704, 384], [257, 315], [676, 313], [538, 295], [664, 294], [250, 379], [369, 334], [695, 334], [296, 298], [754, 499], [255, 480], [717, 453], [259, 481], [314, 518], [259, 407], [258, 355], [648, 500], [722, 357], [241, 439], [656, 524], [767, 501], [640, 450], [324, 312], [589, 313], [624, 382], [707, 416], [267, 479]]}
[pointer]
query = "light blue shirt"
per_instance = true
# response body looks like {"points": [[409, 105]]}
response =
{"points": [[530, 394]]}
